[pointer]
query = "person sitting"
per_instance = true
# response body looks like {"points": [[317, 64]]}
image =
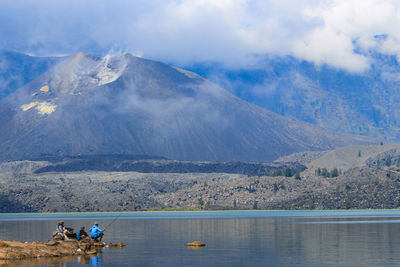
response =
{"points": [[96, 233], [59, 233], [69, 233], [81, 233]]}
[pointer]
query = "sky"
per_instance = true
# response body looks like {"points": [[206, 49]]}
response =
{"points": [[343, 34]]}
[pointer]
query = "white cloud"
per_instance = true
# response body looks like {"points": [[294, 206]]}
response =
{"points": [[341, 33], [349, 33]]}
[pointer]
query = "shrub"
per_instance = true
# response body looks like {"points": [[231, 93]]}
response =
{"points": [[282, 185], [388, 162]]}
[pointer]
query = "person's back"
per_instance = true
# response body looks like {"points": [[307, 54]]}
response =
{"points": [[60, 227], [81, 234], [96, 232], [59, 233]]}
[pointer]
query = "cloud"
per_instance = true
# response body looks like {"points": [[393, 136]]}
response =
{"points": [[340, 33], [351, 32]]}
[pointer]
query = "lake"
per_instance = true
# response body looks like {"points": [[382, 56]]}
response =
{"points": [[233, 238]]}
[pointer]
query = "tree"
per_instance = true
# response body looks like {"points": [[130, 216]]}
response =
{"points": [[297, 176], [276, 187], [324, 172], [201, 202], [234, 203], [347, 204], [335, 172], [288, 172], [255, 205]]}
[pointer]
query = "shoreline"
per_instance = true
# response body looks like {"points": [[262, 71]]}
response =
{"points": [[17, 250]]}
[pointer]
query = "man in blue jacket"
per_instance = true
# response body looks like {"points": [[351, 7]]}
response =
{"points": [[96, 232]]}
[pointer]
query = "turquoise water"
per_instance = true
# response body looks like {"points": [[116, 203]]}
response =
{"points": [[233, 238]]}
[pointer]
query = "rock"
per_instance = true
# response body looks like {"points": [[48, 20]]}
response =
{"points": [[99, 244], [13, 250], [52, 243], [118, 245], [195, 244]]}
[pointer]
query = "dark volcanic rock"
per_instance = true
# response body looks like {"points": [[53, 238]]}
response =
{"points": [[147, 164]]}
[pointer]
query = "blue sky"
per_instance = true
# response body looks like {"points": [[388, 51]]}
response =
{"points": [[340, 33]]}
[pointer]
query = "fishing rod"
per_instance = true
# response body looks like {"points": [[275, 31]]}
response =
{"points": [[113, 220]]}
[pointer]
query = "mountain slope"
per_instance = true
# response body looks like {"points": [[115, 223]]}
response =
{"points": [[17, 69], [354, 103], [130, 105]]}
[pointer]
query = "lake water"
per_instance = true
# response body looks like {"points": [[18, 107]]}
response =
{"points": [[233, 238]]}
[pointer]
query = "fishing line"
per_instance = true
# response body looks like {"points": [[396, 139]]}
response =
{"points": [[113, 221]]}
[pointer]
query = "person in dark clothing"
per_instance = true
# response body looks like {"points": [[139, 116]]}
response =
{"points": [[81, 233]]}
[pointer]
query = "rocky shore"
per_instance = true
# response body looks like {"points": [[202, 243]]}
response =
{"points": [[15, 250]]}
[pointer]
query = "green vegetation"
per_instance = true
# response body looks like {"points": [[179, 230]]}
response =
{"points": [[347, 204], [297, 176], [329, 174], [282, 185], [255, 205], [201, 203], [286, 172], [276, 187]]}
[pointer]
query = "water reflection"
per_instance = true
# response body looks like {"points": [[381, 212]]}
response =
{"points": [[52, 261], [240, 242]]}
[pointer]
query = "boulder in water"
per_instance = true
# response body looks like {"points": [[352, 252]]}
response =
{"points": [[117, 245], [195, 244]]}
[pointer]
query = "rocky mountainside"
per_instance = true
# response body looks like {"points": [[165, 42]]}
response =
{"points": [[23, 188], [365, 103], [346, 158], [129, 105]]}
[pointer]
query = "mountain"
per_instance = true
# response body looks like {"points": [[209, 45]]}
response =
{"points": [[365, 103], [17, 69], [129, 105]]}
